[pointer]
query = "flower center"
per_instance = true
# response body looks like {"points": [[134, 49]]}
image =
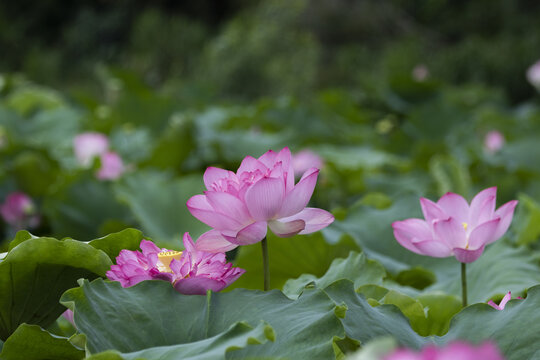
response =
{"points": [[465, 225], [165, 258]]}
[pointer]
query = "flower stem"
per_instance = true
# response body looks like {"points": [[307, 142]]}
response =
{"points": [[464, 284], [266, 268]]}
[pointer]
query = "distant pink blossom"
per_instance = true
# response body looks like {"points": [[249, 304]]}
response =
{"points": [[88, 146], [457, 350], [19, 211], [533, 74], [420, 72], [262, 193], [68, 315], [493, 141], [503, 302], [112, 166], [305, 160], [191, 272], [453, 227]]}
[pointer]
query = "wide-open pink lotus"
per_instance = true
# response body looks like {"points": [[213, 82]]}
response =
{"points": [[191, 272], [241, 206], [453, 227], [457, 350]]}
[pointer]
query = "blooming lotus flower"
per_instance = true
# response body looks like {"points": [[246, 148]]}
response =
{"points": [[503, 302], [89, 145], [457, 350], [493, 141], [305, 160], [191, 272], [262, 193], [453, 227], [112, 166], [533, 75], [19, 211]]}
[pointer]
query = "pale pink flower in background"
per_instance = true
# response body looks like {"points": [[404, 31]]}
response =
{"points": [[241, 206], [19, 211], [191, 272], [533, 75], [88, 146], [493, 141], [457, 350], [420, 72], [305, 160], [503, 302], [112, 166], [453, 227]]}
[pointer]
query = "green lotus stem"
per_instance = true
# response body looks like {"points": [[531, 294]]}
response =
{"points": [[266, 268], [464, 284]]}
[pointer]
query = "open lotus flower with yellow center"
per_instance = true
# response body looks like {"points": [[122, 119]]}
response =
{"points": [[190, 271], [453, 227]]}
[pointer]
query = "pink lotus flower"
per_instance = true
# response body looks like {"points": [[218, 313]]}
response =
{"points": [[503, 302], [191, 272], [112, 166], [240, 206], [493, 141], [533, 75], [452, 227], [457, 350], [305, 160], [89, 145], [19, 211]]}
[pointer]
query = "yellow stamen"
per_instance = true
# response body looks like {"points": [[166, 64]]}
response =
{"points": [[465, 225], [165, 258]]}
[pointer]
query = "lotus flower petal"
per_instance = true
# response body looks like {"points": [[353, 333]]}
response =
{"points": [[297, 199], [264, 198]]}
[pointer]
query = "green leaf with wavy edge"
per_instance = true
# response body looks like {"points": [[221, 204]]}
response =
{"points": [[289, 258], [238, 336], [112, 244], [35, 273], [152, 314], [356, 267], [31, 342]]}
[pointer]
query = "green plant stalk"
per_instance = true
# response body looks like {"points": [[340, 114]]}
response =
{"points": [[464, 284], [266, 268]]}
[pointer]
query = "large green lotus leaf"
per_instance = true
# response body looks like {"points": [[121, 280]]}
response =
{"points": [[527, 220], [289, 258], [31, 342], [356, 268], [112, 244], [364, 322], [159, 204], [238, 336], [516, 329], [152, 314], [35, 273]]}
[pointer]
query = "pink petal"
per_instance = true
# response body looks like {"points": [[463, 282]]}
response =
{"points": [[431, 210], [297, 199], [405, 237], [451, 232], [198, 285], [199, 207], [287, 229], [493, 305], [212, 241], [229, 205], [483, 234], [315, 219], [212, 174], [416, 228], [250, 164], [112, 166], [482, 206], [505, 299], [468, 256], [149, 247], [433, 248], [268, 158], [264, 198], [455, 206], [89, 145], [189, 245], [506, 214], [285, 157], [251, 234]]}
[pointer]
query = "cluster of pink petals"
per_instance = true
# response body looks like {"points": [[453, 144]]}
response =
{"points": [[262, 193], [90, 145], [19, 211], [453, 227], [493, 141], [503, 302], [455, 351], [533, 74], [193, 274], [304, 160]]}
